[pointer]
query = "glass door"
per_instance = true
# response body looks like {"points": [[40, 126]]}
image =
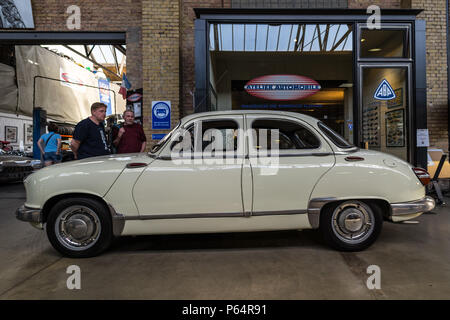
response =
{"points": [[385, 111]]}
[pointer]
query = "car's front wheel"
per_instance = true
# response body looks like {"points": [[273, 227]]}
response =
{"points": [[351, 225], [79, 227]]}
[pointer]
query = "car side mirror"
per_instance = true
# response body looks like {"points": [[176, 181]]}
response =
{"points": [[175, 142]]}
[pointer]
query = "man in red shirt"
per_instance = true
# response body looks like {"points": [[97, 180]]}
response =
{"points": [[131, 137]]}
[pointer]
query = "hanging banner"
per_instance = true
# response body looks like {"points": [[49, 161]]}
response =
{"points": [[51, 90], [282, 87], [103, 88]]}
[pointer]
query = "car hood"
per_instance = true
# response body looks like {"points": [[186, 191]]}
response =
{"points": [[91, 175]]}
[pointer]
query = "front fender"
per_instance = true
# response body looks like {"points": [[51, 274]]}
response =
{"points": [[93, 176]]}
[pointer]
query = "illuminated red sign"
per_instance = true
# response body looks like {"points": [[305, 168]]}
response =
{"points": [[282, 87], [134, 97]]}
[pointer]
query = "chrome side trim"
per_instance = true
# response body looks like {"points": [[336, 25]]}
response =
{"points": [[118, 221], [213, 215], [418, 206], [314, 208], [29, 215], [185, 216], [279, 213]]}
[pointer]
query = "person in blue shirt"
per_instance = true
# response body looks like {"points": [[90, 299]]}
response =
{"points": [[50, 145]]}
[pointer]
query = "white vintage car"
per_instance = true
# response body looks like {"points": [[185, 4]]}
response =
{"points": [[232, 171]]}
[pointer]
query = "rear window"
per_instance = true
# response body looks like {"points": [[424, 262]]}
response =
{"points": [[335, 137]]}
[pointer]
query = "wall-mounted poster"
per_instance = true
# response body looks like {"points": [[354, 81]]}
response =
{"points": [[371, 123], [11, 134], [395, 128], [16, 14], [28, 133], [397, 101]]}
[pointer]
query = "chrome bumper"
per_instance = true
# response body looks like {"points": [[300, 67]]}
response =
{"points": [[418, 206], [29, 215]]}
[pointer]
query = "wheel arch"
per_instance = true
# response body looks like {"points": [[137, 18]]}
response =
{"points": [[55, 199], [317, 206]]}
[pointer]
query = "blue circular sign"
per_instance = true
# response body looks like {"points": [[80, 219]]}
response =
{"points": [[161, 110]]}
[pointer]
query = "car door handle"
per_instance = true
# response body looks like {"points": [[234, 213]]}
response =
{"points": [[135, 165]]}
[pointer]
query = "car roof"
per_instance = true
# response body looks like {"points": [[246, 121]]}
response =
{"points": [[250, 112]]}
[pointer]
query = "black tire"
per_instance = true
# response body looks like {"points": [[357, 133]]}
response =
{"points": [[100, 222], [334, 231]]}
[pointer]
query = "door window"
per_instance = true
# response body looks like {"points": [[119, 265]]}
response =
{"points": [[271, 134], [209, 137]]}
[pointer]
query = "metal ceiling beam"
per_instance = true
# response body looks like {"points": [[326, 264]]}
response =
{"points": [[319, 36], [121, 49], [342, 39], [313, 38], [303, 36], [94, 62], [335, 36], [232, 37], [216, 37], [113, 51], [90, 51], [297, 40], [290, 38], [72, 37], [256, 35], [101, 51], [278, 39], [325, 39]]}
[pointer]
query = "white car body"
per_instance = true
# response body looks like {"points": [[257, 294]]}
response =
{"points": [[153, 194]]}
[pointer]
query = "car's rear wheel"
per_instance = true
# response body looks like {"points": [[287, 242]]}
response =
{"points": [[79, 227], [351, 225]]}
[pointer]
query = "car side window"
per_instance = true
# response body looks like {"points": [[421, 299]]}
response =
{"points": [[220, 135], [282, 134], [208, 136]]}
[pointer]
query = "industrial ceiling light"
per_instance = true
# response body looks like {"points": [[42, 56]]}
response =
{"points": [[375, 50]]}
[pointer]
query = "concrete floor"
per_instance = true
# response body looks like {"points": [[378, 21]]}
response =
{"points": [[414, 261]]}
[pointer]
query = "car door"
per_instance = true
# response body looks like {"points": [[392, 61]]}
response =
{"points": [[197, 180], [287, 158]]}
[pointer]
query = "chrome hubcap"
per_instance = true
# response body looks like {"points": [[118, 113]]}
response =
{"points": [[78, 228], [353, 222]]}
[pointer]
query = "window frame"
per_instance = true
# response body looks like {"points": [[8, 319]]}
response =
{"points": [[323, 148], [237, 153], [385, 26]]}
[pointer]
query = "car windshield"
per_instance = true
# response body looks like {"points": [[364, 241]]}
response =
{"points": [[335, 137], [163, 141]]}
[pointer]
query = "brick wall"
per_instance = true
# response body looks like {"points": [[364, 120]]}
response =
{"points": [[437, 106], [187, 85], [289, 4], [161, 56], [118, 15], [386, 4]]}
